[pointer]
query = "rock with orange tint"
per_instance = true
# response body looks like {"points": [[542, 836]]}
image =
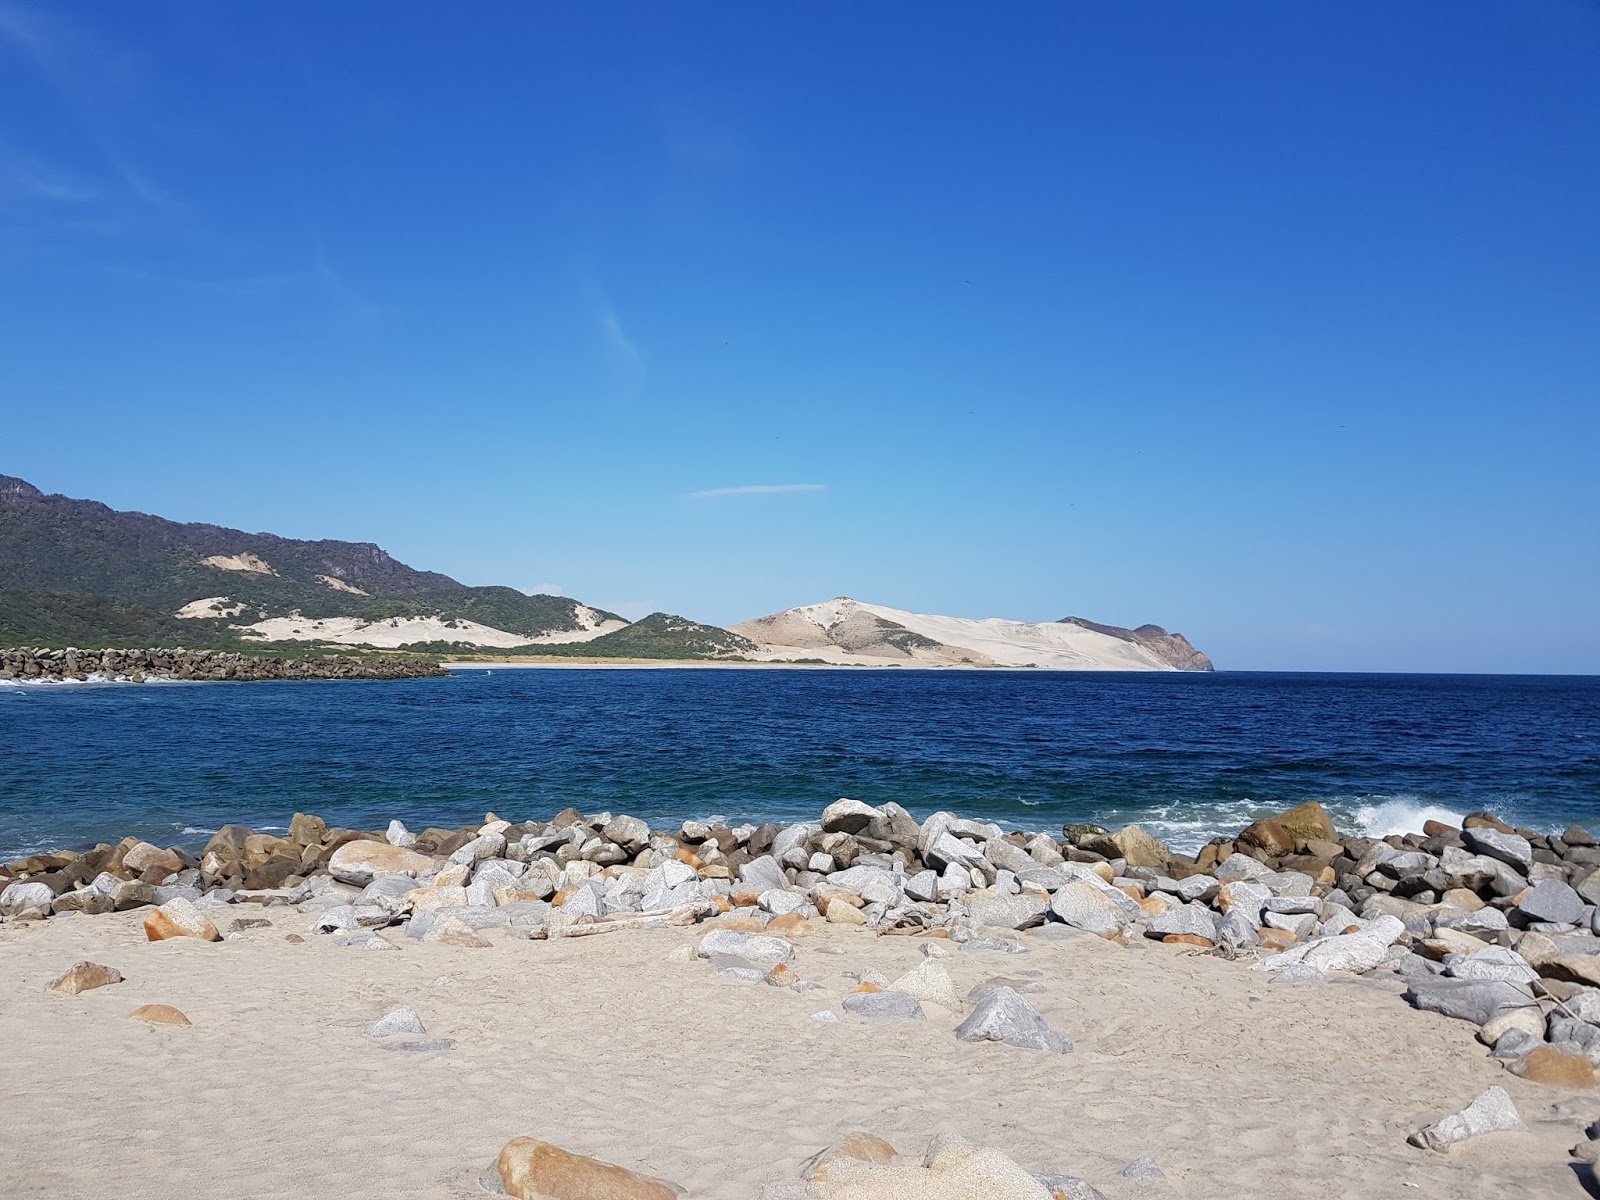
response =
{"points": [[1269, 836], [1187, 939], [144, 857], [856, 1146], [533, 1170], [159, 1014], [1275, 939], [361, 862], [746, 899], [841, 912], [790, 925], [179, 918], [84, 977], [294, 939], [1546, 1064], [782, 975]]}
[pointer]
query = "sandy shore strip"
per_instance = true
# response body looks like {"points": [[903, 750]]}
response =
{"points": [[1286, 1012], [618, 1048]]}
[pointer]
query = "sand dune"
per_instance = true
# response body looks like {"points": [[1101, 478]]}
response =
{"points": [[841, 630]]}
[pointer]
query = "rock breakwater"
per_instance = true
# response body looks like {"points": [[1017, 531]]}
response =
{"points": [[218, 665]]}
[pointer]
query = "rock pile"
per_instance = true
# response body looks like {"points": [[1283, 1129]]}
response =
{"points": [[1485, 923], [219, 665]]}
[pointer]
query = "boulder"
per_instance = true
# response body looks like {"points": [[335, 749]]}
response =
{"points": [[1139, 848], [362, 862], [144, 857], [855, 1146], [1546, 1064], [307, 830], [1491, 1112], [159, 1014], [752, 947], [884, 1005], [1083, 906], [398, 835], [1475, 1000], [1008, 912], [179, 918], [399, 1020], [84, 977], [631, 833], [839, 911], [1193, 919], [930, 983], [533, 1170], [1509, 848], [1552, 901], [1360, 951], [26, 899], [1308, 822], [1003, 1014], [1268, 836], [848, 816]]}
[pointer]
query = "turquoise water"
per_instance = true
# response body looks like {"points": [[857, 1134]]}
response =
{"points": [[1189, 756]]}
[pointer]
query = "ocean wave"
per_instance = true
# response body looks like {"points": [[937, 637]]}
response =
{"points": [[1381, 816]]}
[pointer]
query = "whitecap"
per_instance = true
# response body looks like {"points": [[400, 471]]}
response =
{"points": [[1401, 814]]}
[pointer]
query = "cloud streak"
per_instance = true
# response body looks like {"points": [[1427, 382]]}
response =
{"points": [[759, 489]]}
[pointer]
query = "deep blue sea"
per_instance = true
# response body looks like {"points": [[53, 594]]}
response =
{"points": [[1189, 756]]}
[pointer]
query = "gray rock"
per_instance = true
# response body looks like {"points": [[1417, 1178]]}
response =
{"points": [[1492, 962], [23, 899], [630, 833], [1552, 901], [1003, 1014], [349, 916], [1003, 945], [1584, 1036], [485, 845], [1198, 887], [870, 883], [364, 939], [947, 849], [1292, 905], [1143, 1167], [763, 874], [825, 1018], [847, 816], [1008, 912], [891, 1005], [1194, 919], [1084, 906], [1249, 898], [399, 835], [399, 1020], [1236, 930], [1509, 848], [1240, 866], [1475, 1000], [1514, 1044], [1302, 925], [1491, 1112], [754, 947], [923, 886], [1485, 922]]}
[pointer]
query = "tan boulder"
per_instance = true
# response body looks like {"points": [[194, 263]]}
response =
{"points": [[790, 925], [179, 918], [1275, 939], [85, 976], [1437, 829], [144, 857], [857, 1146], [1268, 836], [841, 912], [533, 1170], [1576, 968], [452, 931], [362, 862], [782, 975], [307, 830], [1463, 899], [1132, 843], [1308, 821], [159, 1014], [1187, 939], [1545, 1064], [1486, 821]]}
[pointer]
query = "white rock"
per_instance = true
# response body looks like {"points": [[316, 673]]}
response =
{"points": [[399, 835], [400, 1020], [929, 982], [1491, 1112]]}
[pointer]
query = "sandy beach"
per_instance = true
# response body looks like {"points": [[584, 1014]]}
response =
{"points": [[608, 1047]]}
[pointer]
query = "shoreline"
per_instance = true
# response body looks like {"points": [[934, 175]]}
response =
{"points": [[807, 979]]}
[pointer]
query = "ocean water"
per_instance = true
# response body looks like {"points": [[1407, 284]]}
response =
{"points": [[1188, 756]]}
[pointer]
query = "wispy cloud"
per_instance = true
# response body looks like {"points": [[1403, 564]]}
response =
{"points": [[759, 489], [616, 337]]}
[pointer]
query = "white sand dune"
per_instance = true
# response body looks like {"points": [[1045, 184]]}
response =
{"points": [[340, 585], [249, 563], [1235, 1088], [385, 634], [810, 632], [209, 609]]}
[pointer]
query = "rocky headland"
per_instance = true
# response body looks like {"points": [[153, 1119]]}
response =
{"points": [[1490, 927], [136, 666]]}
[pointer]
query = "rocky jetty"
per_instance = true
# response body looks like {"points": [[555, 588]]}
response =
{"points": [[138, 665]]}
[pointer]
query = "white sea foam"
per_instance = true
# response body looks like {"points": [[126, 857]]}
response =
{"points": [[1401, 814]]}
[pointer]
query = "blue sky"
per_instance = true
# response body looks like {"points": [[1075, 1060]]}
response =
{"points": [[1275, 324]]}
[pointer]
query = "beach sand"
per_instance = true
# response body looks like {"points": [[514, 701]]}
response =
{"points": [[606, 1046]]}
